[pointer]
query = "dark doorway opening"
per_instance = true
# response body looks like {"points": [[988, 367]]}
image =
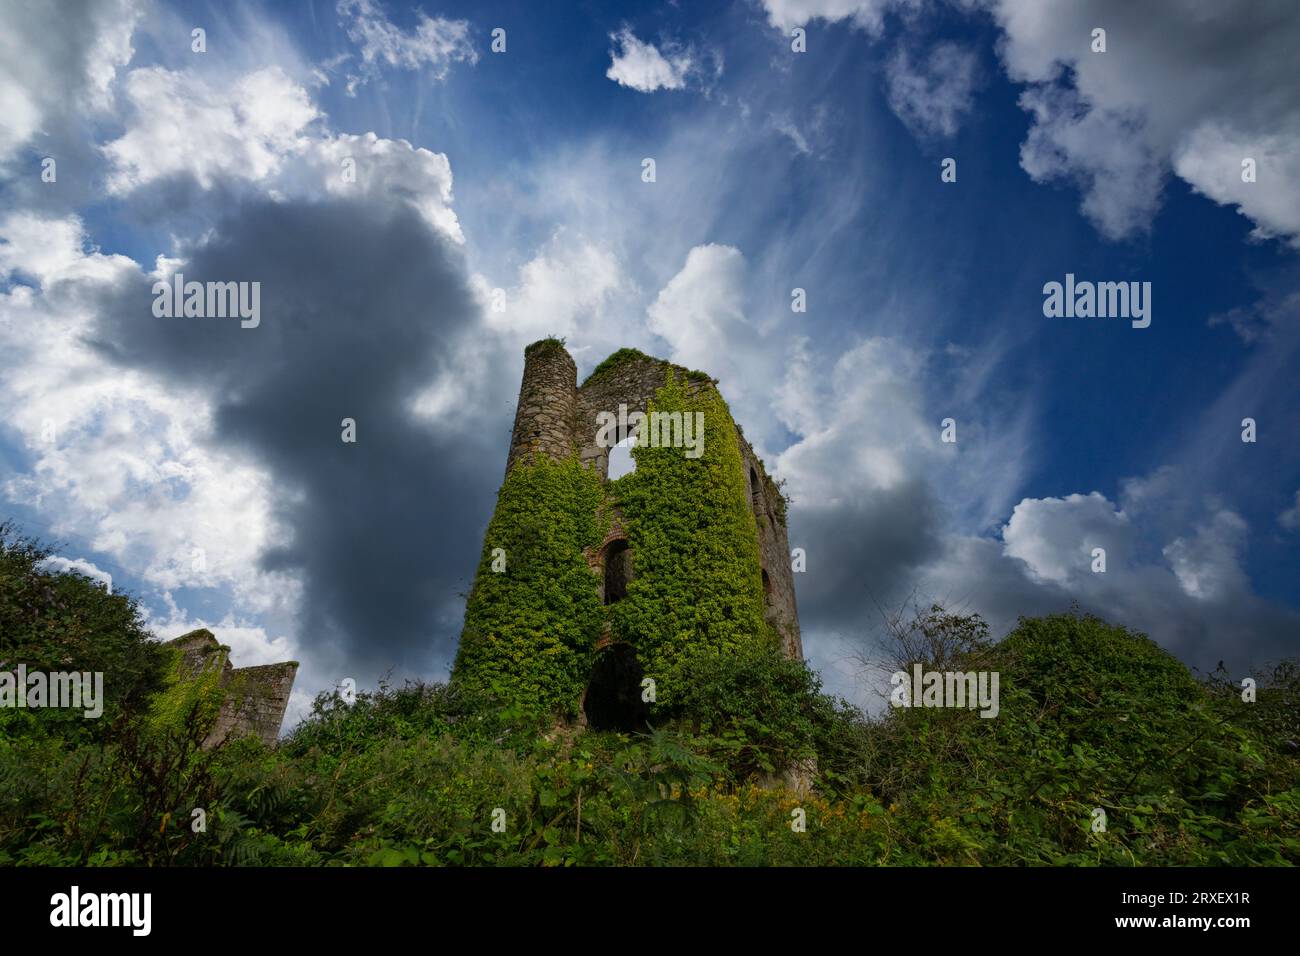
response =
{"points": [[767, 589], [618, 571], [755, 492], [613, 699]]}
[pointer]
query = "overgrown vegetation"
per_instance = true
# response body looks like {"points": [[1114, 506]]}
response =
{"points": [[624, 356], [613, 361], [552, 343], [695, 595], [530, 628], [1092, 717], [55, 619]]}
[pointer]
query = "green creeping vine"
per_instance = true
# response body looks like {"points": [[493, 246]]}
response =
{"points": [[530, 628], [695, 595]]}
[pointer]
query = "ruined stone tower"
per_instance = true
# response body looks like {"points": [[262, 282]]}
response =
{"points": [[587, 586]]}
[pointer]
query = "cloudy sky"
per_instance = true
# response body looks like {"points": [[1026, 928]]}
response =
{"points": [[199, 465]]}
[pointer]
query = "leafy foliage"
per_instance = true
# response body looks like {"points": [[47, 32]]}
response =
{"points": [[617, 359], [57, 622], [696, 594], [624, 356], [1092, 717], [529, 629], [551, 343], [762, 711]]}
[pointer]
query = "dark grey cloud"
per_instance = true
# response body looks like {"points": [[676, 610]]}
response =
{"points": [[362, 307], [892, 551], [863, 554]]}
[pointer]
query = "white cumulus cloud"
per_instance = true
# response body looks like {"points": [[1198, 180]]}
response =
{"points": [[185, 124], [700, 312], [1192, 92], [1055, 537], [117, 461], [51, 65], [641, 66]]}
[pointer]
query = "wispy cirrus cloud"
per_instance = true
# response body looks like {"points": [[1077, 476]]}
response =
{"points": [[931, 93], [434, 45]]}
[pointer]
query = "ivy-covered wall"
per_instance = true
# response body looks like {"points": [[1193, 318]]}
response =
{"points": [[531, 622], [231, 701], [696, 590], [536, 613]]}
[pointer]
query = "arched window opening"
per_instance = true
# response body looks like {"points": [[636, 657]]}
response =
{"points": [[621, 461]]}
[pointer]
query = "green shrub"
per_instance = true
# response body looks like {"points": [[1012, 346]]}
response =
{"points": [[66, 621], [1092, 718], [529, 631]]}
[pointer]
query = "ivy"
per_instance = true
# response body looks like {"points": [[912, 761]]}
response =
{"points": [[696, 592], [626, 356], [530, 628], [191, 698]]}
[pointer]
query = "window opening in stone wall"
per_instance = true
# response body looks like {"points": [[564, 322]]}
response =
{"points": [[618, 571], [621, 461]]}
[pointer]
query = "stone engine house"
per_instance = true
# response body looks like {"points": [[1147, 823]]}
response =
{"points": [[558, 420]]}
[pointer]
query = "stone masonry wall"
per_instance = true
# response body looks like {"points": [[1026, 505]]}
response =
{"points": [[555, 416], [260, 696], [544, 418], [774, 552], [257, 697], [631, 383]]}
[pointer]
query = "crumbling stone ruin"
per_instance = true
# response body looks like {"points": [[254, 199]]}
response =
{"points": [[587, 586], [256, 697]]}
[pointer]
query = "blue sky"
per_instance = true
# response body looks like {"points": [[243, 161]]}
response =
{"points": [[202, 469]]}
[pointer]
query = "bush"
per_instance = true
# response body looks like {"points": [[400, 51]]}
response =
{"points": [[61, 622], [763, 711], [1093, 719]]}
